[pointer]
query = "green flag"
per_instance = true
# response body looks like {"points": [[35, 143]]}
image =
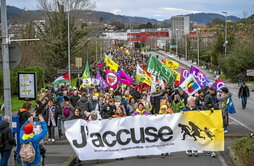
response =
{"points": [[159, 69], [86, 73]]}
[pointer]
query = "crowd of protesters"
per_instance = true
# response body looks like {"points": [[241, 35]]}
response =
{"points": [[62, 103]]}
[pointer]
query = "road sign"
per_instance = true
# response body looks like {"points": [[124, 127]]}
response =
{"points": [[73, 71], [173, 46], [27, 85], [14, 54], [250, 72], [78, 62]]}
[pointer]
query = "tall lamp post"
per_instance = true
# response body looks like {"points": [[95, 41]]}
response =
{"points": [[186, 45], [226, 42], [176, 43], [198, 45], [69, 49]]}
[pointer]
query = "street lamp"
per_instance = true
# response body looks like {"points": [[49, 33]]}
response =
{"points": [[186, 45], [69, 45], [176, 43], [198, 45], [226, 42]]}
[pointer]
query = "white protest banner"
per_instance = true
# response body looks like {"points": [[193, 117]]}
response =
{"points": [[146, 135]]}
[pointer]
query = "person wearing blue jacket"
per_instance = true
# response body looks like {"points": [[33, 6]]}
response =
{"points": [[27, 135]]}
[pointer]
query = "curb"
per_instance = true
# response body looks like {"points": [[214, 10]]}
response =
{"points": [[231, 136], [236, 160]]}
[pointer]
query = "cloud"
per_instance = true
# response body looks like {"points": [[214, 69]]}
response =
{"points": [[116, 11], [179, 10]]}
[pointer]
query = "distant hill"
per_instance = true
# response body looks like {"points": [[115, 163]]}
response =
{"points": [[204, 18], [199, 18], [127, 19]]}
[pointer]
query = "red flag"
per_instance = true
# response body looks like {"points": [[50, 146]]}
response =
{"points": [[67, 76]]}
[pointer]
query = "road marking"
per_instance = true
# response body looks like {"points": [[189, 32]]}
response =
{"points": [[241, 124], [222, 160]]}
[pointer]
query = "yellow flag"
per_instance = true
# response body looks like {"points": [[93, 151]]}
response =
{"points": [[127, 52], [111, 64], [178, 76], [172, 64], [141, 76], [148, 80]]}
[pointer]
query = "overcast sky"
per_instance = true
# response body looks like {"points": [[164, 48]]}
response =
{"points": [[160, 9]]}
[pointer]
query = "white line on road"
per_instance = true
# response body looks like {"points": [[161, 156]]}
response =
{"points": [[251, 130], [222, 160]]}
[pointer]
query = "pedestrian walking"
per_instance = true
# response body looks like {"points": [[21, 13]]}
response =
{"points": [[244, 93]]}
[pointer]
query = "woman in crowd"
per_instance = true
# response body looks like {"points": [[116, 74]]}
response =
{"points": [[52, 115], [147, 103], [76, 114], [133, 104], [24, 113], [141, 110], [164, 109], [120, 112], [177, 104]]}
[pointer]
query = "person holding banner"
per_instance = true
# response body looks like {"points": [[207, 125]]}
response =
{"points": [[141, 110], [223, 97], [120, 112], [108, 109], [164, 109], [191, 105]]}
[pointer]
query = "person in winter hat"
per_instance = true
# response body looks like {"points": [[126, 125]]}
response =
{"points": [[27, 135]]}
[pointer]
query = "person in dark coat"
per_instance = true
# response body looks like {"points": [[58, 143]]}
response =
{"points": [[24, 113], [83, 103], [8, 140], [108, 109], [191, 104], [244, 93], [76, 114], [74, 98], [93, 104]]}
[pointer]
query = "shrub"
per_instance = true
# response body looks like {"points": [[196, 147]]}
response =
{"points": [[244, 149], [14, 78]]}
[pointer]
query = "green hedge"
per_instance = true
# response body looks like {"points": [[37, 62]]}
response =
{"points": [[14, 78], [244, 149]]}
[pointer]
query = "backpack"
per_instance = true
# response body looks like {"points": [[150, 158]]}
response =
{"points": [[66, 111], [2, 140], [27, 152]]}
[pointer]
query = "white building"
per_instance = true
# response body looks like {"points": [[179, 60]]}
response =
{"points": [[121, 36], [180, 26]]}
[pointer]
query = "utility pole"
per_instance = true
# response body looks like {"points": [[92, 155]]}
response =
{"points": [[6, 65], [69, 45], [198, 45], [186, 48], [226, 42], [176, 43], [96, 49]]}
